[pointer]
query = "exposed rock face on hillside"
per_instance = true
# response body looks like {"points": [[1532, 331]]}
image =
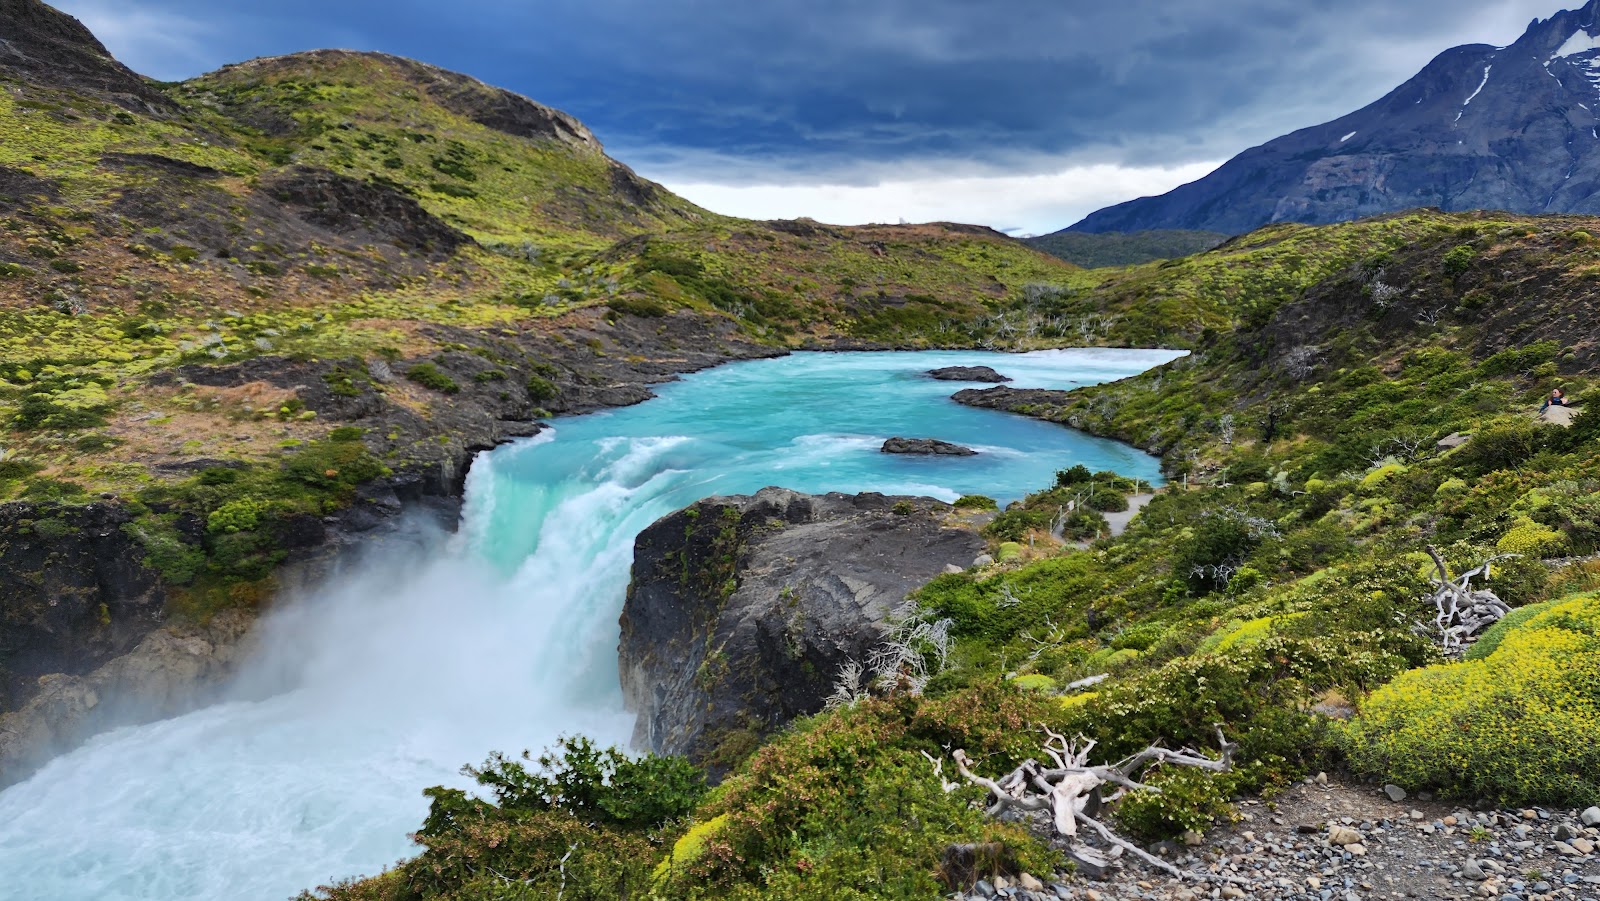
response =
{"points": [[173, 670], [743, 608], [72, 591], [1510, 128], [40, 43]]}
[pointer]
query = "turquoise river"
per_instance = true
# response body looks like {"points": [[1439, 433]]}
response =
{"points": [[501, 635]]}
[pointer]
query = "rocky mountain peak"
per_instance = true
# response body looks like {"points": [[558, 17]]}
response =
{"points": [[42, 45], [1513, 128]]}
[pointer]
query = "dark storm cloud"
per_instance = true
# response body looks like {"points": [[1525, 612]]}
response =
{"points": [[827, 85]]}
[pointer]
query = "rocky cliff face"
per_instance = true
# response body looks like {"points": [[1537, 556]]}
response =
{"points": [[41, 43], [1509, 128], [86, 640], [742, 609]]}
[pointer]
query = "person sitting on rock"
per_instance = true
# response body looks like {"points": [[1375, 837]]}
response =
{"points": [[1556, 399]]}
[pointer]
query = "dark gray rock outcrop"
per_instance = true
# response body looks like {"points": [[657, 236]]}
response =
{"points": [[742, 609], [927, 447], [172, 671], [1009, 399], [44, 45], [968, 374], [370, 211]]}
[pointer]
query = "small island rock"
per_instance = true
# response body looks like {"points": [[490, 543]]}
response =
{"points": [[926, 446], [968, 374]]}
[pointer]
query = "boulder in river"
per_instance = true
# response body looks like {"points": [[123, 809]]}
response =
{"points": [[968, 374], [926, 446], [742, 609]]}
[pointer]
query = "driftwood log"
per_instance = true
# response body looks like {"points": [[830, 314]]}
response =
{"points": [[1070, 790], [1462, 611]]}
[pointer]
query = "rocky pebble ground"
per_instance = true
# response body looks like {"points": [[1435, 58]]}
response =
{"points": [[1331, 840]]}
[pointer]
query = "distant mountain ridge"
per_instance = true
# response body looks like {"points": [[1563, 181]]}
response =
{"points": [[1513, 128]]}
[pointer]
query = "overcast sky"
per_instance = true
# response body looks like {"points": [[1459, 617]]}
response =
{"points": [[1021, 114]]}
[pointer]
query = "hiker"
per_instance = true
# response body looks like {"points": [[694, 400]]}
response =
{"points": [[1556, 399]]}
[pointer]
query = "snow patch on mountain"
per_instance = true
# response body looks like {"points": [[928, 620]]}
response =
{"points": [[1480, 86], [1580, 42]]}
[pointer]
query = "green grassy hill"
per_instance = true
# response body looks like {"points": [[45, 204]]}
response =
{"points": [[336, 205], [1097, 251]]}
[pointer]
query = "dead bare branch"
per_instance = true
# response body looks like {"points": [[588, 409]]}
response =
{"points": [[1071, 791], [1463, 612]]}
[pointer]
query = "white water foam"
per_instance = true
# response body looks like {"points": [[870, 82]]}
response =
{"points": [[501, 637]]}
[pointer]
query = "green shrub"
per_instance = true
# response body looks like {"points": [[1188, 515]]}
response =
{"points": [[541, 388], [335, 466], [580, 825], [166, 549], [451, 190], [1106, 500], [1015, 524], [13, 469], [454, 168], [975, 502], [1459, 259], [218, 475], [1516, 726], [242, 515], [604, 786], [846, 806], [432, 377], [643, 307], [1077, 475], [1500, 445], [1257, 692], [1187, 799]]}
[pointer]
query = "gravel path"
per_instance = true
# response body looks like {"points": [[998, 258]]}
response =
{"points": [[1332, 840]]}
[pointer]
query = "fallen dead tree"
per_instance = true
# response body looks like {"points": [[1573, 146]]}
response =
{"points": [[1070, 791], [1463, 612]]}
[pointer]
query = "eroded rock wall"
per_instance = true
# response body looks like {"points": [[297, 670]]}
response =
{"points": [[743, 608]]}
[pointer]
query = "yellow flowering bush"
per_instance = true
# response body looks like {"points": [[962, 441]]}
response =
{"points": [[1518, 725], [1244, 634], [1531, 539], [1034, 682], [1382, 474]]}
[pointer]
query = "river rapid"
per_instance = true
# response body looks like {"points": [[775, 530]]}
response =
{"points": [[501, 636]]}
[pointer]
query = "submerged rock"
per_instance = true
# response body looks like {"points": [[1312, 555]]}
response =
{"points": [[968, 374], [926, 446], [742, 609]]}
